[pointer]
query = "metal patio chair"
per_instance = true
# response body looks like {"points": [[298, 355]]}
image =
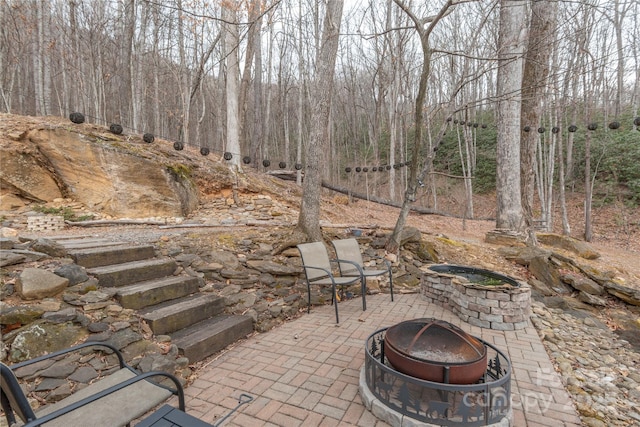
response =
{"points": [[317, 270], [115, 400], [349, 256]]}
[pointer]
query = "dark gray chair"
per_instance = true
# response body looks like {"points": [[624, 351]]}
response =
{"points": [[349, 256], [115, 400], [317, 270]]}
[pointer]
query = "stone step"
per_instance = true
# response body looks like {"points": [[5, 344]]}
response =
{"points": [[129, 273], [178, 314], [70, 237], [152, 292], [212, 335], [110, 255], [88, 243]]}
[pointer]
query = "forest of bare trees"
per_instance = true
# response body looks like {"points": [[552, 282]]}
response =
{"points": [[545, 94]]}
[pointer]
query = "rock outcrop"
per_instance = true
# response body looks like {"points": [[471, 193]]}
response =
{"points": [[112, 174], [580, 248]]}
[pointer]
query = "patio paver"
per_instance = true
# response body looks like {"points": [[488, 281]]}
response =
{"points": [[306, 372]]}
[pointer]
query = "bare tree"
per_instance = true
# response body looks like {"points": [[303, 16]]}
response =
{"points": [[127, 20], [510, 51], [232, 41], [251, 136], [301, 94], [42, 60], [534, 86], [309, 218], [156, 65], [620, 10], [424, 31], [10, 51], [635, 42]]}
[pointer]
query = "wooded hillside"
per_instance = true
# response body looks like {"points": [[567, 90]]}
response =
{"points": [[173, 68]]}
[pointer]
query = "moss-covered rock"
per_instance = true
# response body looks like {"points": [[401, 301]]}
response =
{"points": [[40, 338]]}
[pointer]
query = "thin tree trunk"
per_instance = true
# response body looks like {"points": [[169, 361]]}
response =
{"points": [[588, 233], [156, 68], [467, 160], [266, 128], [301, 93], [257, 139], [393, 243]]}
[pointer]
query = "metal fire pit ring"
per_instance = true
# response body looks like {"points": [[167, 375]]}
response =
{"points": [[401, 400], [435, 350]]}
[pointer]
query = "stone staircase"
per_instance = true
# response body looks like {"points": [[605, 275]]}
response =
{"points": [[170, 304]]}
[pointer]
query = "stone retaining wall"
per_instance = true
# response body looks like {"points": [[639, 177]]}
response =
{"points": [[493, 307]]}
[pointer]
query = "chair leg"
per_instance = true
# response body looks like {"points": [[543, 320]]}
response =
{"points": [[309, 298], [6, 407], [363, 285], [335, 301], [391, 283]]}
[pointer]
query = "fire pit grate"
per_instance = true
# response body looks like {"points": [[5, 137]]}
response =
{"points": [[435, 350], [395, 395]]}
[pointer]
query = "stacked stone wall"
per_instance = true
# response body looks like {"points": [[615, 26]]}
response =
{"points": [[501, 308]]}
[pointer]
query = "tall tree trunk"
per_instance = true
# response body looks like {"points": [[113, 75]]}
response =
{"points": [[156, 68], [42, 61], [125, 95], [247, 143], [301, 94], [232, 41], [266, 128], [309, 219], [511, 48], [259, 117], [536, 70], [183, 79]]}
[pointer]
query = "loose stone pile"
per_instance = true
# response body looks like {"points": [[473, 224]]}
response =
{"points": [[599, 369]]}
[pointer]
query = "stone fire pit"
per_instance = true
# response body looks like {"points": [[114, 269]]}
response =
{"points": [[479, 297]]}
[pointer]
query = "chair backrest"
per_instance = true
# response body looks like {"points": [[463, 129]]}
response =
{"points": [[348, 250], [314, 255], [13, 399]]}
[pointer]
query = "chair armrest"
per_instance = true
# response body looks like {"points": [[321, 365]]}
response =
{"points": [[355, 264], [327, 272], [87, 400], [123, 364]]}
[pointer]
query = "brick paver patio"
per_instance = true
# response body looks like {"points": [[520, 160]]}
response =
{"points": [[306, 372]]}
